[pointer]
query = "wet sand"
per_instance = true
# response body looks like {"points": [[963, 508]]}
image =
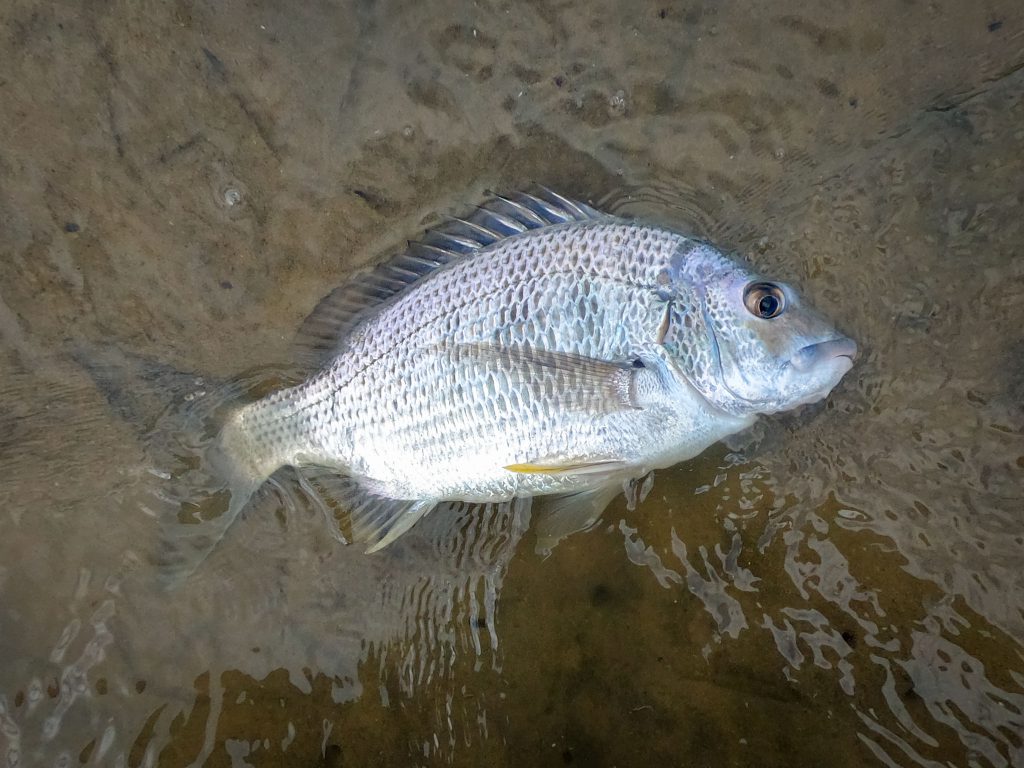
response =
{"points": [[180, 184]]}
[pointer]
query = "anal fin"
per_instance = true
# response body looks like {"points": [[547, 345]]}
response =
{"points": [[374, 520]]}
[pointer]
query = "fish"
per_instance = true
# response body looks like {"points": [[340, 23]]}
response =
{"points": [[537, 347]]}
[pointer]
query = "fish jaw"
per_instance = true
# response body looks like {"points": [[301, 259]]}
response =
{"points": [[828, 364]]}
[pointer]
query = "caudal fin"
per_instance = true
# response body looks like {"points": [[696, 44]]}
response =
{"points": [[201, 452], [185, 546], [196, 484]]}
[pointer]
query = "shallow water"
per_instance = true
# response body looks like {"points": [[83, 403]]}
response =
{"points": [[180, 183]]}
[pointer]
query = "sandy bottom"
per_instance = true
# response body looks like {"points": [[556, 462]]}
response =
{"points": [[181, 182]]}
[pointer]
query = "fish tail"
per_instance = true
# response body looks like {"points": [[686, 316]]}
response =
{"points": [[228, 461], [236, 454], [186, 548], [209, 445]]}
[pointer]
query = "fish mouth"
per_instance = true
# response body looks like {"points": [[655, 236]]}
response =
{"points": [[823, 351]]}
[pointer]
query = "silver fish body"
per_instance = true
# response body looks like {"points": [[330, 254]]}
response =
{"points": [[550, 349]]}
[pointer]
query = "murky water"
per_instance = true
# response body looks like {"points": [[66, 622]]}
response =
{"points": [[180, 183]]}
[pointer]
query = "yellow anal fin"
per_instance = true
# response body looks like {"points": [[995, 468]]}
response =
{"points": [[566, 468]]}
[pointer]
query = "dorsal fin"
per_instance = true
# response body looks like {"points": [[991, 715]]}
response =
{"points": [[322, 335]]}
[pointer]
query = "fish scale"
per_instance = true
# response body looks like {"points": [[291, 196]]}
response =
{"points": [[547, 320], [539, 347]]}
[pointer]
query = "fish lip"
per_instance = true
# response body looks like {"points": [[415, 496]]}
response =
{"points": [[822, 351]]}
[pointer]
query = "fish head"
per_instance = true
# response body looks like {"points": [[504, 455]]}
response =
{"points": [[747, 343]]}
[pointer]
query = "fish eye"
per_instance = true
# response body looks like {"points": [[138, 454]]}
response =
{"points": [[764, 300]]}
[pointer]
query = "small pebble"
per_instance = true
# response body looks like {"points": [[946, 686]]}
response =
{"points": [[71, 227], [232, 197], [617, 104]]}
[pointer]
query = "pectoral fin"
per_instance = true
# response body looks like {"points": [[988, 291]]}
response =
{"points": [[571, 513], [565, 381]]}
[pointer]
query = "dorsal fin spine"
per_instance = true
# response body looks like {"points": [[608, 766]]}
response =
{"points": [[491, 216], [323, 334], [486, 236], [523, 211]]}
